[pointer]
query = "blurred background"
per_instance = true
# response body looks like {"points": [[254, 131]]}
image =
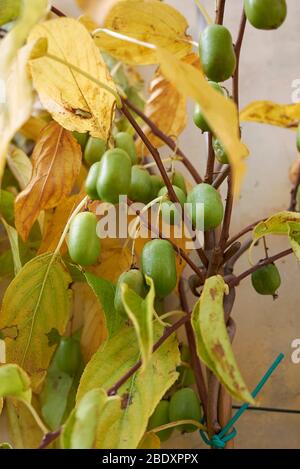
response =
{"points": [[269, 66]]}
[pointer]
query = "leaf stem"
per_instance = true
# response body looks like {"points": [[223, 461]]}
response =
{"points": [[197, 424]]}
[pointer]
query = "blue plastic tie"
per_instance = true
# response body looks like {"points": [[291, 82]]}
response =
{"points": [[219, 441]]}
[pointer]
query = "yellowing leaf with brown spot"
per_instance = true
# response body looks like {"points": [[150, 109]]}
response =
{"points": [[267, 112], [55, 222], [166, 107], [149, 21], [213, 344], [36, 301], [220, 112], [56, 164], [72, 99], [15, 83]]}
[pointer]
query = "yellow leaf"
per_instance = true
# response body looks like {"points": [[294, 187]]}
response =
{"points": [[150, 441], [13, 238], [18, 98], [23, 428], [212, 338], [267, 112], [20, 165], [55, 222], [56, 164], [166, 107], [97, 9], [89, 317], [220, 112], [73, 100], [33, 127], [149, 21], [140, 394], [112, 254], [36, 301]]}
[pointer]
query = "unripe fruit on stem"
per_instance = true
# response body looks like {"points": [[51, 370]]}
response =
{"points": [[135, 280], [157, 183], [91, 181], [265, 14], [266, 280], [178, 180], [198, 116], [298, 138], [81, 139], [83, 242], [161, 417], [185, 405], [125, 141], [68, 356], [216, 52], [220, 152], [115, 175], [140, 187], [205, 198], [94, 150], [158, 261], [186, 374], [169, 210]]}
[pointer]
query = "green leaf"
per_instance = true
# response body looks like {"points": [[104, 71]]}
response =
{"points": [[213, 344], [7, 200], [36, 301], [14, 244], [105, 292], [94, 415], [54, 397], [9, 10], [141, 311], [281, 223], [140, 394], [14, 382]]}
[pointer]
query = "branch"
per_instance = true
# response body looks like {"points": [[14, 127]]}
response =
{"points": [[168, 332], [167, 140], [200, 383], [244, 231], [227, 216], [220, 12], [210, 162], [57, 12], [180, 251], [221, 177], [236, 280], [238, 46]]}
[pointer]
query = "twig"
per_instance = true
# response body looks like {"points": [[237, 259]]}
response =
{"points": [[57, 12], [244, 231], [238, 46], [180, 251], [49, 438], [168, 332], [220, 12], [167, 140], [200, 383], [221, 177], [236, 280], [227, 216], [210, 162]]}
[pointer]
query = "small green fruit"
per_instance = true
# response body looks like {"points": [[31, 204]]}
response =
{"points": [[205, 202], [265, 14], [178, 180], [81, 139], [83, 243], [115, 175], [266, 280], [161, 417], [135, 280], [68, 356], [220, 152], [91, 181], [185, 405], [157, 183], [94, 150], [140, 188], [198, 116], [158, 261], [168, 209], [217, 53], [125, 141]]}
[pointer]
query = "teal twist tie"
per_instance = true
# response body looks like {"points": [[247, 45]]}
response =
{"points": [[219, 441]]}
